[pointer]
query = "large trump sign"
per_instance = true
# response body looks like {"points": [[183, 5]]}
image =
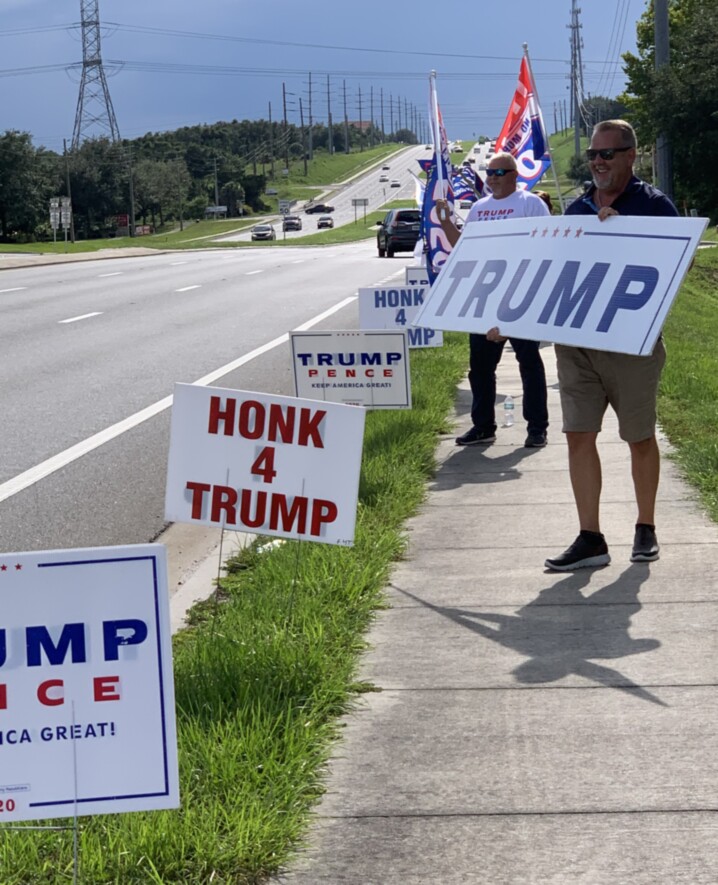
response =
{"points": [[571, 280]]}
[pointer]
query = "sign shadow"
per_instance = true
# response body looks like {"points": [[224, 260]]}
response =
{"points": [[564, 631]]}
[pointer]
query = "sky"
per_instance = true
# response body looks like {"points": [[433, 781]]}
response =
{"points": [[171, 63]]}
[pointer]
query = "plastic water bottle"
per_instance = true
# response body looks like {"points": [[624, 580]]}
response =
{"points": [[509, 411]]}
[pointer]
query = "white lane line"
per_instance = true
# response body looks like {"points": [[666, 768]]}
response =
{"points": [[57, 462], [85, 316], [116, 273], [177, 263], [187, 288], [251, 272], [299, 261], [16, 289]]}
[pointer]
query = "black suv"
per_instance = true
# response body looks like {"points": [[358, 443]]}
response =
{"points": [[399, 232], [318, 209]]}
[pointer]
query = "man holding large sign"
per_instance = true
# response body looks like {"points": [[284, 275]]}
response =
{"points": [[591, 379]]}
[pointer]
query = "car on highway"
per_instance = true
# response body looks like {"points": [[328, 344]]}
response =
{"points": [[292, 222], [263, 232], [428, 147], [386, 167], [399, 231], [395, 183], [318, 209], [325, 221], [383, 178]]}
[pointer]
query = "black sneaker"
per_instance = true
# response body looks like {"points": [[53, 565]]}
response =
{"points": [[475, 437], [645, 544], [587, 551], [535, 441]]}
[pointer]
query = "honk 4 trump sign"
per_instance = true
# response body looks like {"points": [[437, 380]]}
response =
{"points": [[86, 692], [274, 465], [570, 279]]}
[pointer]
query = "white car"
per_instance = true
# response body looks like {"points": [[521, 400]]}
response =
{"points": [[383, 178]]}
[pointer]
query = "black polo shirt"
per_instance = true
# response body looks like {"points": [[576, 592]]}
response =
{"points": [[639, 198]]}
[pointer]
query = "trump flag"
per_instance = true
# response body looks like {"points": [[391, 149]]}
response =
{"points": [[523, 134]]}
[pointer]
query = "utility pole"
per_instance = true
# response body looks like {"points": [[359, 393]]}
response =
{"points": [[330, 141], [576, 76], [311, 121], [271, 144], [216, 185], [371, 116], [361, 126], [286, 129], [664, 164], [132, 190], [304, 147], [381, 105], [346, 120], [391, 114]]}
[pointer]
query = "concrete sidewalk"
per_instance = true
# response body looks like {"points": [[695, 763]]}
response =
{"points": [[532, 727], [13, 260]]}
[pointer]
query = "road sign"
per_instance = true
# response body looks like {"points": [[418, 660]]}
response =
{"points": [[65, 212], [285, 206], [361, 201]]}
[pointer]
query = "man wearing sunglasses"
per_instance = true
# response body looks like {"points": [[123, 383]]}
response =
{"points": [[506, 201], [591, 380]]}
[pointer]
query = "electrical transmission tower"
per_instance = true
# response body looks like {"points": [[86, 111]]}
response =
{"points": [[94, 105]]}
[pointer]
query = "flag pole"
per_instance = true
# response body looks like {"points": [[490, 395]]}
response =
{"points": [[548, 140], [436, 133]]}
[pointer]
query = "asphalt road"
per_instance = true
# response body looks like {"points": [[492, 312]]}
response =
{"points": [[88, 345], [365, 186]]}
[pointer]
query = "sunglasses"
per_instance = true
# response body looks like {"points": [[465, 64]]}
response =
{"points": [[605, 153], [499, 173]]}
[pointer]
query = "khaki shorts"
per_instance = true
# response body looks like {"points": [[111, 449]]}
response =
{"points": [[590, 380]]}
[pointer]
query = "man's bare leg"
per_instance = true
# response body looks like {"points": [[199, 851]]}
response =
{"points": [[585, 470], [646, 471]]}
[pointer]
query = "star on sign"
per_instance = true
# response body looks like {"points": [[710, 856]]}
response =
{"points": [[534, 232], [544, 232], [556, 231], [579, 231], [566, 232]]}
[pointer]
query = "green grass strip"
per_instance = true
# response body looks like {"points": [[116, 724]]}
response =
{"points": [[688, 398], [261, 677]]}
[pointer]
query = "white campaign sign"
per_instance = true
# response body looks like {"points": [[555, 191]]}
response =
{"points": [[571, 279], [369, 369], [87, 716], [397, 309], [274, 465]]}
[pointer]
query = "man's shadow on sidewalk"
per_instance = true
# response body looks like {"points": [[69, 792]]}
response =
{"points": [[563, 631], [479, 468]]}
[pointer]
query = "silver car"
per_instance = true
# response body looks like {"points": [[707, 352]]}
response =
{"points": [[263, 232]]}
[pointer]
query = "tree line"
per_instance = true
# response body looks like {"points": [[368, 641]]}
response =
{"points": [[165, 177]]}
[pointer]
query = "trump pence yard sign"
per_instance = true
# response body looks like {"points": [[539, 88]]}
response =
{"points": [[87, 722], [571, 279], [274, 465]]}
